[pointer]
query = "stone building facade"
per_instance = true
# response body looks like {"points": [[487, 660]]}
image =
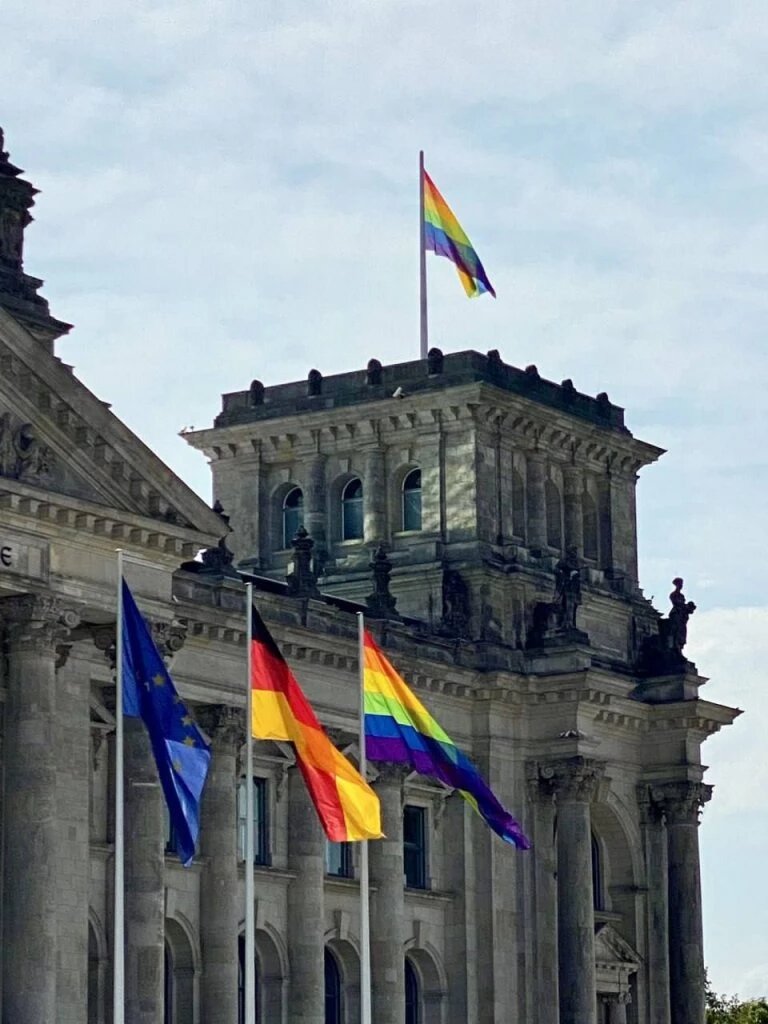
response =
{"points": [[485, 519]]}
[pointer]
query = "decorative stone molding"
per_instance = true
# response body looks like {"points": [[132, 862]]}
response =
{"points": [[682, 801], [22, 456], [36, 621], [540, 783], [395, 774], [224, 724], [651, 811], [573, 778]]}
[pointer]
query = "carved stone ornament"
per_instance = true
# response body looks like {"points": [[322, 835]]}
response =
{"points": [[224, 724], [573, 778], [37, 621], [682, 801], [22, 455], [301, 578], [381, 603]]}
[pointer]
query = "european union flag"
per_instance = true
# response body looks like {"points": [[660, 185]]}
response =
{"points": [[181, 752]]}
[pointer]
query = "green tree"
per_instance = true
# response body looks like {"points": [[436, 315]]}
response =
{"points": [[730, 1009]]}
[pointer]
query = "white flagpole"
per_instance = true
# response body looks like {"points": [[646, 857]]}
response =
{"points": [[365, 930], [250, 935], [118, 945], [423, 331]]}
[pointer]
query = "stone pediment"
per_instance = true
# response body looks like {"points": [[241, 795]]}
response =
{"points": [[612, 950], [57, 438]]}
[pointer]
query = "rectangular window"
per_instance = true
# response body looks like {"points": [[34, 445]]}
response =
{"points": [[415, 846], [260, 820], [338, 860]]}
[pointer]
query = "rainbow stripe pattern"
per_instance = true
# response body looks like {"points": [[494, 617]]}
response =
{"points": [[399, 729], [348, 808], [445, 236]]}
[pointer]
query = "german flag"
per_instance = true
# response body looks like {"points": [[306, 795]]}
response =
{"points": [[346, 805]]}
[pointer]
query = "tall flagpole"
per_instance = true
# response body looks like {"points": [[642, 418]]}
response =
{"points": [[118, 943], [365, 930], [422, 261], [250, 936]]}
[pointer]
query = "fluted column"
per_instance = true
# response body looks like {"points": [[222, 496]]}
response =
{"points": [[306, 907], [575, 782], [388, 903], [657, 953], [682, 803], [33, 626], [574, 520], [544, 868], [537, 508], [315, 509], [145, 835], [374, 497], [220, 909]]}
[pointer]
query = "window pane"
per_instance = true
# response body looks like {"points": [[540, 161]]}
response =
{"points": [[352, 511], [260, 821], [332, 990], [414, 847], [412, 1007], [338, 859], [412, 501], [293, 515]]}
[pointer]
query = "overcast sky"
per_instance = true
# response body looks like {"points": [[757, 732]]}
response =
{"points": [[229, 191]]}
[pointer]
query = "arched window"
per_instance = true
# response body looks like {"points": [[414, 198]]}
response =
{"points": [[554, 516], [332, 990], [241, 983], [168, 993], [293, 514], [412, 500], [597, 876], [352, 510], [412, 995], [589, 518]]}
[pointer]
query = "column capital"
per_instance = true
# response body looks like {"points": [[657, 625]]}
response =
{"points": [[651, 810], [540, 782], [573, 778], [682, 801], [224, 724], [392, 774], [36, 621]]}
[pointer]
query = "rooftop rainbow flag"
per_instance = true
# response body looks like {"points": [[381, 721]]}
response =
{"points": [[444, 235], [399, 729]]}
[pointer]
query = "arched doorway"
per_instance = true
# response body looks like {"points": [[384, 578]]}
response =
{"points": [[180, 999], [334, 1010]]}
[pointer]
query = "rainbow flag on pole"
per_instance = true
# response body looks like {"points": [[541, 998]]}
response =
{"points": [[399, 729], [346, 805], [444, 235]]}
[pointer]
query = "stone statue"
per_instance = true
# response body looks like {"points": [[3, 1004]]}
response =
{"points": [[300, 577], [567, 589], [681, 611], [381, 603], [456, 608]]}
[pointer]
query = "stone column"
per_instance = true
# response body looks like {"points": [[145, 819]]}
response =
{"points": [[574, 522], [374, 497], [145, 836], [682, 802], [657, 950], [33, 626], [315, 510], [388, 903], [306, 907], [537, 508], [220, 908], [617, 1007], [575, 781], [544, 868]]}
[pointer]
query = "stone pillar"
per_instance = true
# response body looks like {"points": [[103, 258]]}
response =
{"points": [[575, 781], [220, 907], [306, 907], [544, 868], [617, 1008], [145, 837], [574, 522], [682, 802], [537, 507], [315, 510], [374, 497], [657, 949], [388, 903], [33, 626]]}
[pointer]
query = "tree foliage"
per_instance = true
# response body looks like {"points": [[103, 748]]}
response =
{"points": [[730, 1009]]}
